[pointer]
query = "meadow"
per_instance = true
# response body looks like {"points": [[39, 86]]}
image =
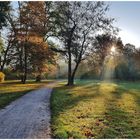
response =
{"points": [[94, 109]]}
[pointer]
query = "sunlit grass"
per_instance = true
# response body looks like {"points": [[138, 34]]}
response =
{"points": [[11, 90], [96, 110]]}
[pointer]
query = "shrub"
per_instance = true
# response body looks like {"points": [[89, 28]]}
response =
{"points": [[2, 76]]}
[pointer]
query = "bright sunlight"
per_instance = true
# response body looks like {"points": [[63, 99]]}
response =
{"points": [[113, 49]]}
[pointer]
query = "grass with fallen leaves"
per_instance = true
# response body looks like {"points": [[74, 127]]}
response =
{"points": [[94, 109]]}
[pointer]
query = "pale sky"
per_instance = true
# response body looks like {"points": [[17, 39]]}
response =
{"points": [[127, 15]]}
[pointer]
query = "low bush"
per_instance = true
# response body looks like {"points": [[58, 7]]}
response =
{"points": [[2, 76]]}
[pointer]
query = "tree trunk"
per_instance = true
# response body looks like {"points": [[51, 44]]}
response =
{"points": [[71, 79], [71, 75], [24, 79], [25, 65], [21, 77], [70, 82], [38, 78], [21, 67]]}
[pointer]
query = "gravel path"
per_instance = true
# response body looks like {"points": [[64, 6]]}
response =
{"points": [[27, 117]]}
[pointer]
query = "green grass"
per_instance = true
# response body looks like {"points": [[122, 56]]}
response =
{"points": [[11, 90], [96, 110]]}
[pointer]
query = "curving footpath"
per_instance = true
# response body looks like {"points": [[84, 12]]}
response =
{"points": [[27, 117]]}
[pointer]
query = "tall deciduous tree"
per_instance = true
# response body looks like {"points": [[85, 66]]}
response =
{"points": [[102, 48], [79, 22], [31, 34]]}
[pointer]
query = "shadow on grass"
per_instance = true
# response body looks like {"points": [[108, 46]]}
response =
{"points": [[119, 122], [65, 98], [115, 121], [68, 100]]}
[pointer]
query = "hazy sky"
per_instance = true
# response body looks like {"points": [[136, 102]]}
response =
{"points": [[127, 15], [128, 19]]}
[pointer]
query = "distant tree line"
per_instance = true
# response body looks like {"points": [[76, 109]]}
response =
{"points": [[37, 33], [127, 64]]}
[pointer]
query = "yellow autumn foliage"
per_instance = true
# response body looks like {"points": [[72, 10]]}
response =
{"points": [[2, 76]]}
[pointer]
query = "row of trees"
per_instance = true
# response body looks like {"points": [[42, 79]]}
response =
{"points": [[73, 23], [126, 65], [26, 50], [126, 60], [34, 30]]}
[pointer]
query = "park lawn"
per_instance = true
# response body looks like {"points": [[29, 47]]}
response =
{"points": [[11, 90], [96, 110]]}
